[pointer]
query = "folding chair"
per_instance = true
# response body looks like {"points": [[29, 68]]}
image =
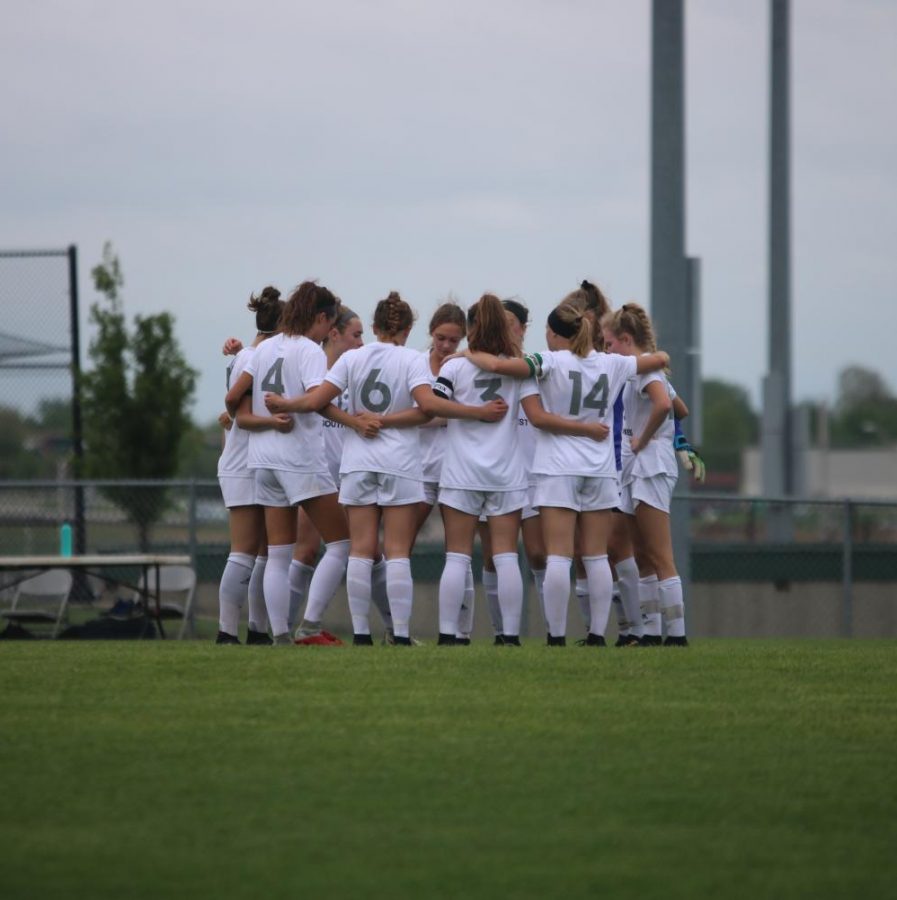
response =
{"points": [[177, 588], [41, 600]]}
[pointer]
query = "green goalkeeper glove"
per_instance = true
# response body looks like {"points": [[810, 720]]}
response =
{"points": [[689, 457]]}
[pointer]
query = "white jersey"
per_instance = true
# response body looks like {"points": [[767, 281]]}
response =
{"points": [[334, 437], [526, 439], [658, 457], [580, 388], [432, 438], [290, 366], [235, 455], [379, 378], [482, 456]]}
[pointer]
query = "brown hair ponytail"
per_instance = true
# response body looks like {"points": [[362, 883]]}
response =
{"points": [[304, 306], [267, 308], [632, 319], [392, 316], [489, 331]]}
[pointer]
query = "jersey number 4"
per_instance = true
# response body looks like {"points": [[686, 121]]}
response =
{"points": [[273, 380], [595, 399]]}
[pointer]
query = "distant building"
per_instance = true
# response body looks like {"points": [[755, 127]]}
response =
{"points": [[825, 473]]}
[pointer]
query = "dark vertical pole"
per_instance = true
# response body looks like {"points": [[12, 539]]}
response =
{"points": [[778, 467], [77, 433], [669, 281], [780, 225]]}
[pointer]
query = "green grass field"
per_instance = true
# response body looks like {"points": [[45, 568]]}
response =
{"points": [[731, 769]]}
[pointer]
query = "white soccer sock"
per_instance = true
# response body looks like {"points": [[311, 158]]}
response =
{"points": [[358, 587], [400, 589], [300, 579], [650, 606], [233, 590], [628, 580], [539, 582], [616, 603], [277, 587], [378, 592], [672, 605], [557, 594], [490, 588], [451, 591], [258, 614], [328, 575], [582, 598], [600, 589], [465, 618], [510, 591]]}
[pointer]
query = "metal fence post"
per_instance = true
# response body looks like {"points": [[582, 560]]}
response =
{"points": [[191, 520], [847, 573]]}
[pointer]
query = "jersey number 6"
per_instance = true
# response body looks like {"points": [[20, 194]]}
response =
{"points": [[372, 386]]}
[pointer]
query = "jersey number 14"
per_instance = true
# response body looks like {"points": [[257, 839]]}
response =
{"points": [[595, 399]]}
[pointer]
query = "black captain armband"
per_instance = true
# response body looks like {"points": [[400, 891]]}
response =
{"points": [[444, 388]]}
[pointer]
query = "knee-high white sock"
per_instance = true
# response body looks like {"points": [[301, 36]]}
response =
{"points": [[300, 579], [358, 587], [600, 588], [650, 605], [451, 591], [400, 589], [378, 592], [233, 590], [328, 575], [510, 591], [582, 598], [628, 580], [465, 617], [557, 594], [617, 606], [672, 606], [490, 588], [258, 615], [277, 587], [539, 583]]}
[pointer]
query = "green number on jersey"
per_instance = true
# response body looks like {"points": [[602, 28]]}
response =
{"points": [[595, 399], [490, 388], [371, 386], [273, 381]]}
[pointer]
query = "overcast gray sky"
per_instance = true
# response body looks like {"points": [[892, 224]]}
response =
{"points": [[455, 146]]}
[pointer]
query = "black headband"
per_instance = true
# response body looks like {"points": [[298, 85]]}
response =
{"points": [[559, 326]]}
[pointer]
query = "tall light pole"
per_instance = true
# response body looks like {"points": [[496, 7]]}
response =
{"points": [[778, 463], [670, 308]]}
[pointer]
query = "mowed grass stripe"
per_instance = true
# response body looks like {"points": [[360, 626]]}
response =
{"points": [[741, 768]]}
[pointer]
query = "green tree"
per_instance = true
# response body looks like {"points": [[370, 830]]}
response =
{"points": [[135, 398], [866, 410], [730, 425]]}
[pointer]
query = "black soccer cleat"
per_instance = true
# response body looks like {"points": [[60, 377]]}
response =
{"points": [[676, 641], [510, 640], [628, 640], [650, 640], [446, 640], [225, 638], [362, 640], [462, 641], [595, 640], [258, 637], [559, 641], [403, 642], [499, 640]]}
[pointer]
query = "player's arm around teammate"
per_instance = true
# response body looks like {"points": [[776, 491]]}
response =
{"points": [[649, 473], [244, 570], [291, 469]]}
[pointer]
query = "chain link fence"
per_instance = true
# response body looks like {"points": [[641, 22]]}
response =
{"points": [[836, 574]]}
